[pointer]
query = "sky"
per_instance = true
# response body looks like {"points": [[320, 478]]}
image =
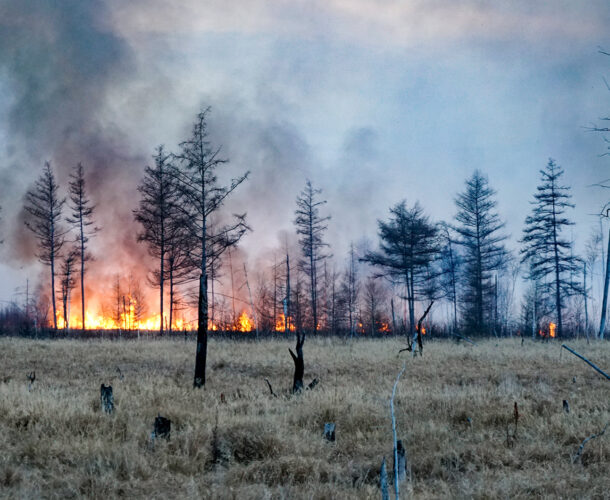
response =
{"points": [[373, 101]]}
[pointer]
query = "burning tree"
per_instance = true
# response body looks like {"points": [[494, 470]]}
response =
{"points": [[44, 208], [201, 197], [82, 220], [479, 236], [552, 263], [408, 250]]}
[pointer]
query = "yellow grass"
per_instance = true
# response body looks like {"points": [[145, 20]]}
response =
{"points": [[55, 442]]}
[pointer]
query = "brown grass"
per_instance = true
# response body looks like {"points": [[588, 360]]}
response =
{"points": [[55, 442]]}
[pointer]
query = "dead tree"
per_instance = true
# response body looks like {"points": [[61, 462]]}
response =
{"points": [[44, 208], [299, 364], [598, 370], [602, 323], [201, 197], [418, 336], [310, 228], [67, 283], [159, 193], [82, 219]]}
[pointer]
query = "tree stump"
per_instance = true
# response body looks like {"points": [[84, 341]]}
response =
{"points": [[299, 364], [402, 462], [383, 481], [162, 427], [107, 398], [329, 431]]}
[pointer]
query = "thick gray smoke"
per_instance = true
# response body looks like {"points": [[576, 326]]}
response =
{"points": [[61, 60]]}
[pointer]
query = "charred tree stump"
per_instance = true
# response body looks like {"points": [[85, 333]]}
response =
{"points": [[299, 364], [107, 398], [400, 468], [329, 431], [32, 379], [162, 427]]}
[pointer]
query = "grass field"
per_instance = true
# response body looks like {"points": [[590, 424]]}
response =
{"points": [[234, 440]]}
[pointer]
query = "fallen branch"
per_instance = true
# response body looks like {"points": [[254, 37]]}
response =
{"points": [[599, 370], [582, 445], [271, 388], [464, 338]]}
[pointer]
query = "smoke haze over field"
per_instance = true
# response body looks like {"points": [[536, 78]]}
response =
{"points": [[373, 101]]}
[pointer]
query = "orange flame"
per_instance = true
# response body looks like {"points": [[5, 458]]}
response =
{"points": [[244, 323], [280, 324], [552, 330]]}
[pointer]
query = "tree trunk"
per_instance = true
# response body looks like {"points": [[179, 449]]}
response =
{"points": [[299, 364], [82, 277], [161, 292], [202, 333], [171, 299], [602, 324], [53, 292]]}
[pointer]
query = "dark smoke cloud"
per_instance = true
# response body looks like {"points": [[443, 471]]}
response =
{"points": [[62, 60]]}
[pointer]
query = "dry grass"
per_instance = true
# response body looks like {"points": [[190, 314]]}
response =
{"points": [[55, 441]]}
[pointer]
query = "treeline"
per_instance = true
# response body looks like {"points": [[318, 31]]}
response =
{"points": [[461, 265]]}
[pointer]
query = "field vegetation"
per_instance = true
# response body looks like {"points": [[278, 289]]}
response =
{"points": [[233, 439]]}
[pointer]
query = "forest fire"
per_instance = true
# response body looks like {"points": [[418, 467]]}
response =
{"points": [[244, 323], [552, 327], [281, 324], [126, 321]]}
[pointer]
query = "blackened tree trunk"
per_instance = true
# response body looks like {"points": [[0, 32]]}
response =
{"points": [[200, 198], [202, 333], [299, 364]]}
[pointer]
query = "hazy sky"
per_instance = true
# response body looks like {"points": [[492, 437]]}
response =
{"points": [[373, 101]]}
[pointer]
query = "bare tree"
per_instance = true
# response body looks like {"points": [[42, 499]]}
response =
{"points": [[310, 227], [44, 207], [67, 283], [450, 268], [351, 289], [157, 204], [201, 198], [82, 220]]}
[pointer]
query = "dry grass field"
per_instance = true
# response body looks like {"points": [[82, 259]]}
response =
{"points": [[234, 440]]}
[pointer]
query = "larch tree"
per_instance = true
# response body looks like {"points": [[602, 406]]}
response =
{"points": [[310, 226], [351, 289], [202, 196], [82, 220], [408, 250], [479, 234], [67, 282], [44, 209], [450, 268], [549, 253], [157, 206]]}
